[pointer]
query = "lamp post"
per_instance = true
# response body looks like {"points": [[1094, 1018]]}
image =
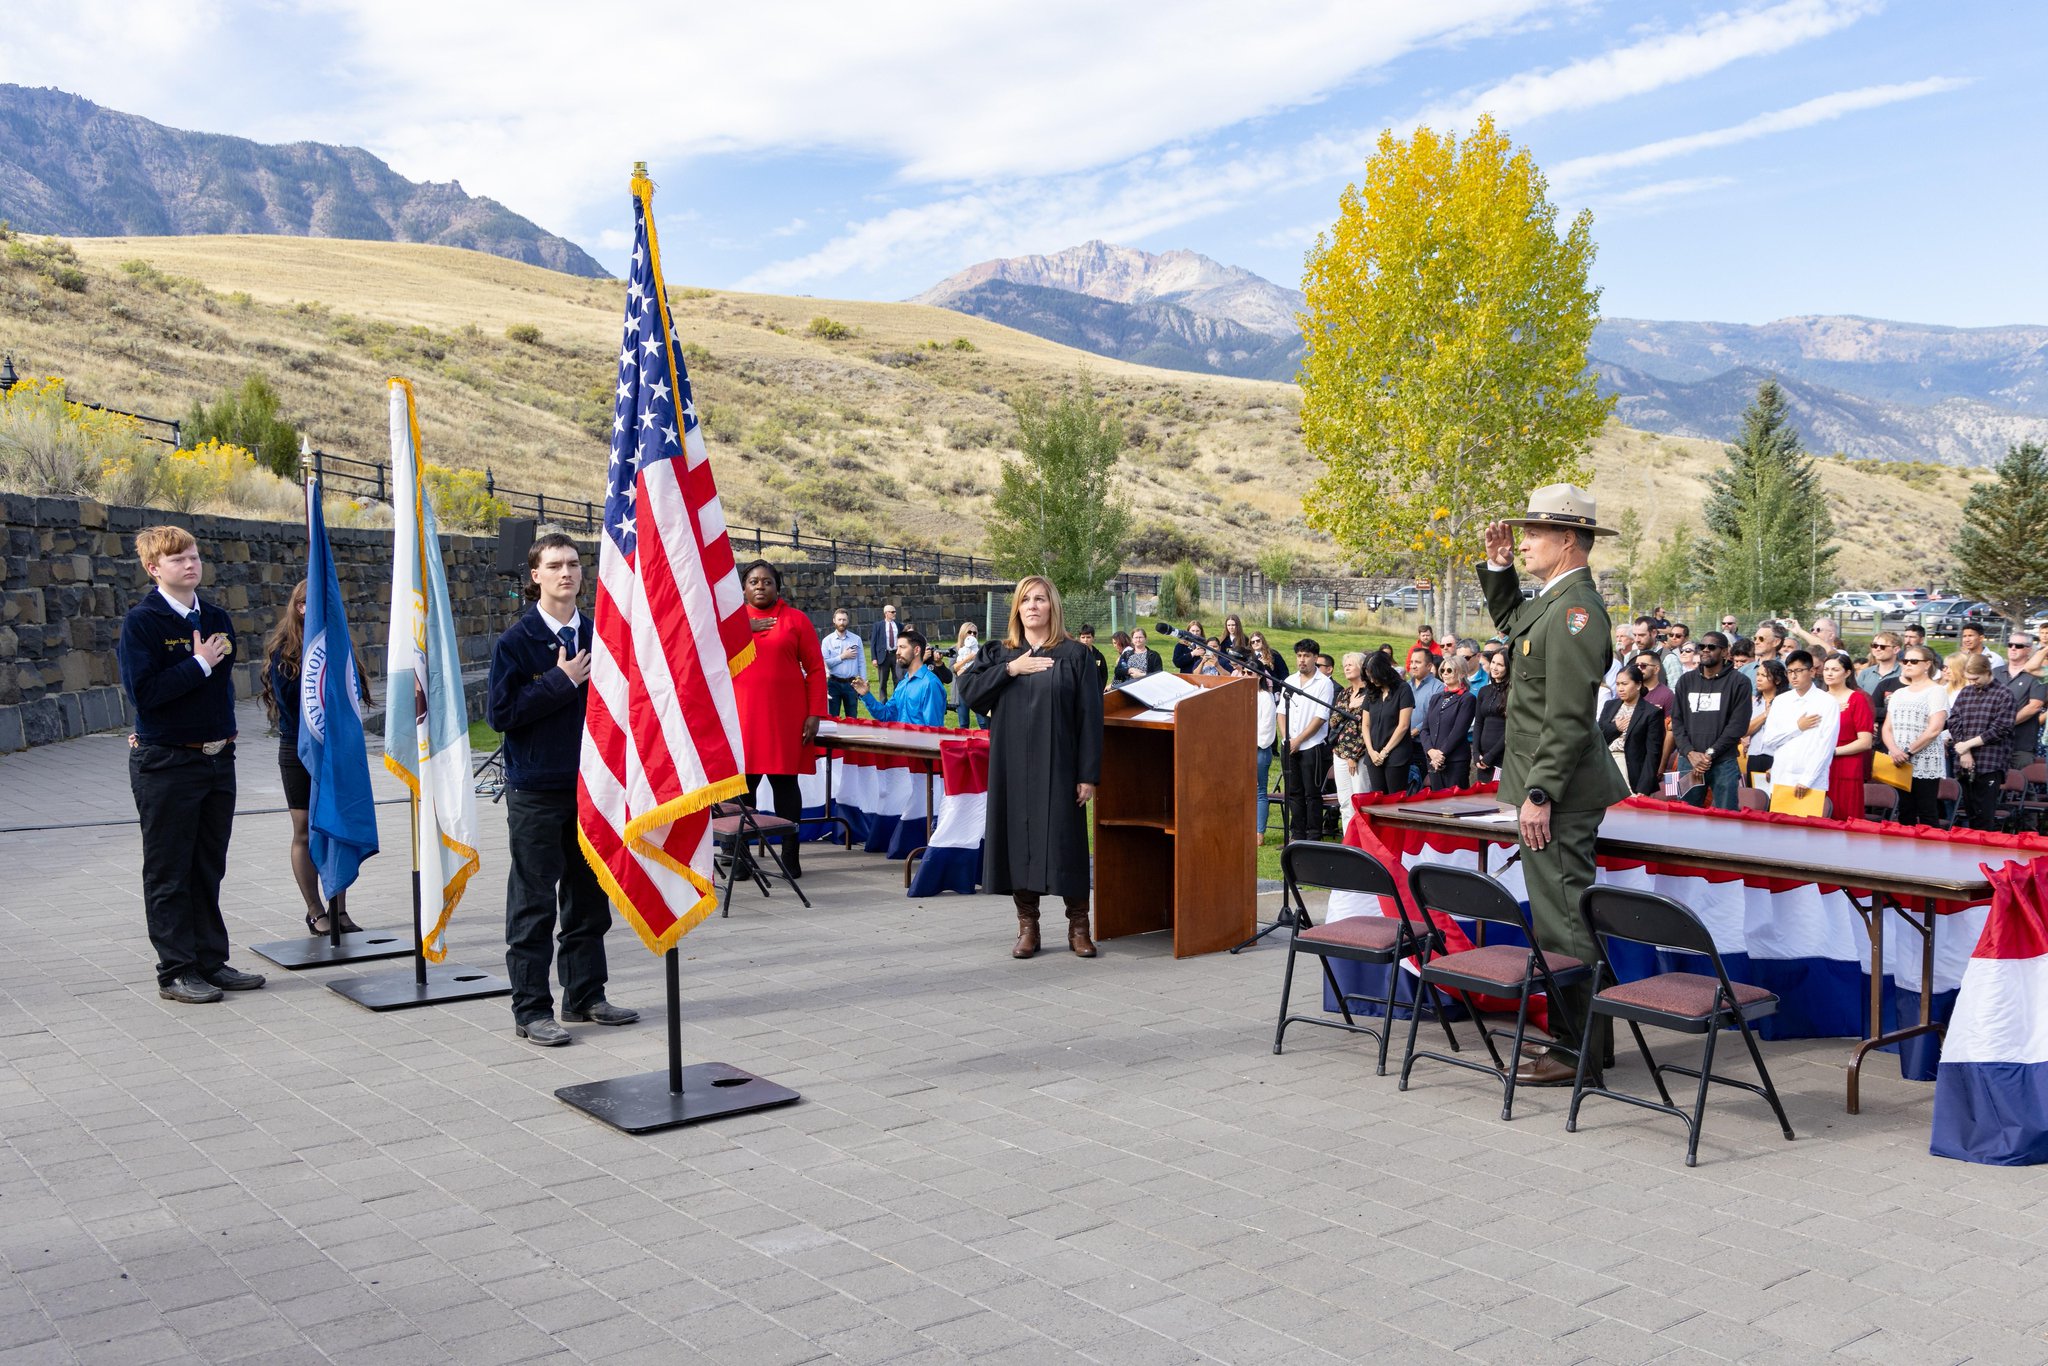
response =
{"points": [[8, 379]]}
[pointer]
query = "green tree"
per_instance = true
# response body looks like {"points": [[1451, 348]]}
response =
{"points": [[1628, 544], [1771, 548], [1277, 566], [1446, 376], [1672, 575], [2002, 550], [1180, 591], [1058, 512], [248, 417]]}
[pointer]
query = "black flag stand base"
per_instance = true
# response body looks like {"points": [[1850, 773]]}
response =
{"points": [[680, 1095], [426, 985], [334, 947], [433, 985]]}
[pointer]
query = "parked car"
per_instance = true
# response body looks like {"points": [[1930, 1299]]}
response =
{"points": [[1865, 607], [2037, 623], [1948, 616]]}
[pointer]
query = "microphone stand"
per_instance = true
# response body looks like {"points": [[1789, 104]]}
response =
{"points": [[1293, 910]]}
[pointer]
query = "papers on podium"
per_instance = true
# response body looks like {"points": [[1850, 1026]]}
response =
{"points": [[1158, 692]]}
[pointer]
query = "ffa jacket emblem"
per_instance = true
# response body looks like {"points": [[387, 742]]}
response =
{"points": [[1575, 620]]}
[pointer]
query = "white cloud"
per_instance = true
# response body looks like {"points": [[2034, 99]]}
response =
{"points": [[1661, 191], [1590, 169], [1650, 63], [1148, 194], [789, 229]]}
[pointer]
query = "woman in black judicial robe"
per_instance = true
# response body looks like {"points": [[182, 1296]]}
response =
{"points": [[1039, 689]]}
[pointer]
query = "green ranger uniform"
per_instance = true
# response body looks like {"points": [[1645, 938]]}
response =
{"points": [[1558, 652]]}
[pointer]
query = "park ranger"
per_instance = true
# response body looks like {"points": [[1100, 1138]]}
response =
{"points": [[1556, 769]]}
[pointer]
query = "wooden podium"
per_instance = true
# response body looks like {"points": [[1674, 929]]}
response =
{"points": [[1176, 819]]}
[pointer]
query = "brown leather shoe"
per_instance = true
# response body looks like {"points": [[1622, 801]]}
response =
{"points": [[1077, 936], [1546, 1071], [1027, 935]]}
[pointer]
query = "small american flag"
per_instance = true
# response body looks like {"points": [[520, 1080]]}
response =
{"points": [[661, 737]]}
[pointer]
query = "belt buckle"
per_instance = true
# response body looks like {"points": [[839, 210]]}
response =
{"points": [[213, 747]]}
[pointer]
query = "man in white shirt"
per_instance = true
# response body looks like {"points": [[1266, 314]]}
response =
{"points": [[1799, 735], [1305, 763]]}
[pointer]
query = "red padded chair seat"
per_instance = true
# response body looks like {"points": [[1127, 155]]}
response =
{"points": [[1688, 995], [1504, 964], [728, 827], [1357, 932]]}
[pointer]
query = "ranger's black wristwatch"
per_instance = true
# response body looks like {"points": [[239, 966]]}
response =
{"points": [[1539, 796]]}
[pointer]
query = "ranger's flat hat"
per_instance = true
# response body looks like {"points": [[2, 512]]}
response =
{"points": [[1563, 505]]}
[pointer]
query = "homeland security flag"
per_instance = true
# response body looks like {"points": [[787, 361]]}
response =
{"points": [[661, 739], [426, 723], [342, 823]]}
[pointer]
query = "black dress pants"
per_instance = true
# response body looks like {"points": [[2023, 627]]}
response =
{"points": [[1979, 809], [551, 884], [186, 800], [789, 804], [1306, 771], [1922, 805]]}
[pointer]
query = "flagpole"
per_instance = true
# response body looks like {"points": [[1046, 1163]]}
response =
{"points": [[419, 930]]}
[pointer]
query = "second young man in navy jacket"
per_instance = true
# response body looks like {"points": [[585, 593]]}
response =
{"points": [[540, 684]]}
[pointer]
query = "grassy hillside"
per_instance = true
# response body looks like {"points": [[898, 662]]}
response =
{"points": [[893, 431]]}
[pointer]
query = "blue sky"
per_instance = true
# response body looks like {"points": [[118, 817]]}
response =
{"points": [[1742, 163]]}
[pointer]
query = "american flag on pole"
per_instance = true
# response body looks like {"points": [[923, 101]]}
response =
{"points": [[661, 739]]}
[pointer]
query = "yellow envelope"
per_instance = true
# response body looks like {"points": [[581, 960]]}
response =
{"points": [[1782, 799]]}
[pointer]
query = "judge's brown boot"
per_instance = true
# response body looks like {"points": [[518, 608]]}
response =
{"points": [[1027, 932], [1077, 934]]}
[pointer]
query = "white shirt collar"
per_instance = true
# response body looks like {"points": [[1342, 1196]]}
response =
{"points": [[557, 627], [176, 606], [1551, 582]]}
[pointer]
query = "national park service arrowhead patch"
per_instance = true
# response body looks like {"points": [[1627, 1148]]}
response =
{"points": [[1575, 620]]}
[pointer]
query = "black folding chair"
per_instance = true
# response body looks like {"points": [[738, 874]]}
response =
{"points": [[1688, 1002], [1381, 939], [743, 835], [1507, 970]]}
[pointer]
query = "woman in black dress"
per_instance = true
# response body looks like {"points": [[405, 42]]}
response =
{"points": [[1490, 719], [1037, 687], [1389, 711]]}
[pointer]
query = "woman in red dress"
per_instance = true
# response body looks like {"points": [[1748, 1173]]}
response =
{"points": [[781, 696], [1851, 766]]}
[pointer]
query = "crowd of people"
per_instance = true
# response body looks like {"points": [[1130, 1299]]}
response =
{"points": [[1783, 713]]}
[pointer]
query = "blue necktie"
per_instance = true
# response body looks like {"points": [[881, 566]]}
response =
{"points": [[192, 617], [567, 635]]}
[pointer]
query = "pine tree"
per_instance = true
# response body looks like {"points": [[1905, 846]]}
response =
{"points": [[2002, 550], [1771, 548]]}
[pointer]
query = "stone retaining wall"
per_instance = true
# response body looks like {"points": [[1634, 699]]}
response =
{"points": [[68, 575]]}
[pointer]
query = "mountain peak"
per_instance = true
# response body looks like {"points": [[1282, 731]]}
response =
{"points": [[1127, 275], [74, 168]]}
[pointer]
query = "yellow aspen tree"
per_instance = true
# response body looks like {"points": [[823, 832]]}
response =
{"points": [[1445, 377]]}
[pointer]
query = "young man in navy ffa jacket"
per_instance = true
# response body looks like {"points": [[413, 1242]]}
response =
{"points": [[540, 684], [181, 766]]}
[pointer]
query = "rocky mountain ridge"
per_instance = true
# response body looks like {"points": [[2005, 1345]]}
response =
{"points": [[1126, 275], [70, 167], [1867, 387]]}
